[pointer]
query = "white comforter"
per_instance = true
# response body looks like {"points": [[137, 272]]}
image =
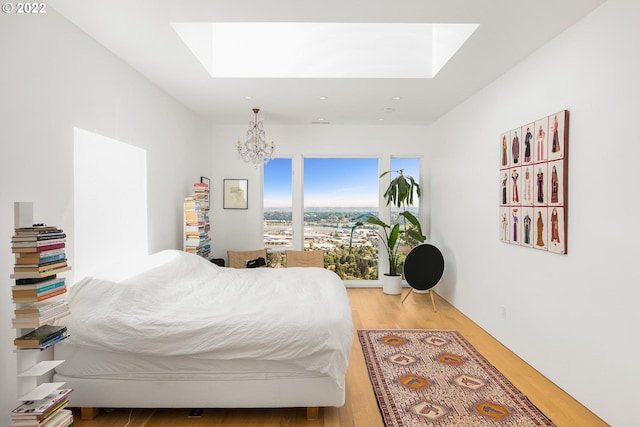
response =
{"points": [[181, 304]]}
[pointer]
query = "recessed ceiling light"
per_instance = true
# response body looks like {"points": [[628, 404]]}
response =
{"points": [[320, 119], [248, 97], [323, 49], [396, 98], [324, 97], [389, 110]]}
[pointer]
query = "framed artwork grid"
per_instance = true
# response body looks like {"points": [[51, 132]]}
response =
{"points": [[533, 184]]}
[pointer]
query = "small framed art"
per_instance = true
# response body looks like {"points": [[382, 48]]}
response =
{"points": [[235, 193]]}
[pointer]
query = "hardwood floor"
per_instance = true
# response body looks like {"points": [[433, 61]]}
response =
{"points": [[374, 310]]}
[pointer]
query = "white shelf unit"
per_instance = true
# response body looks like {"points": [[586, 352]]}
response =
{"points": [[34, 366]]}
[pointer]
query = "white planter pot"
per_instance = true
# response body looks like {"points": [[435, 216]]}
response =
{"points": [[392, 285]]}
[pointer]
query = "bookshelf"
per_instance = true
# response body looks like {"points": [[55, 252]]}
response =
{"points": [[38, 295], [196, 221]]}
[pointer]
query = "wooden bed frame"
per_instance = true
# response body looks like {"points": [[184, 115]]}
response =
{"points": [[91, 413]]}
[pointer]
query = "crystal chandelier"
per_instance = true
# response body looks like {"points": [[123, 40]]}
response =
{"points": [[255, 149]]}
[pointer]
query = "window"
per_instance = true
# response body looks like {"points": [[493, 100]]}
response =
{"points": [[277, 208], [409, 167], [316, 209], [336, 191]]}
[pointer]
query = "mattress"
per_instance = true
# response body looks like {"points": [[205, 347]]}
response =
{"points": [[90, 363]]}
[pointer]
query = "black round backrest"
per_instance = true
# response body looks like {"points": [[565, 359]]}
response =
{"points": [[423, 267]]}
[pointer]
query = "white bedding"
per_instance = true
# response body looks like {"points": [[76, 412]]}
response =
{"points": [[181, 304]]}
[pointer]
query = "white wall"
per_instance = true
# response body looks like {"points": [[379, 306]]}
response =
{"points": [[53, 78], [242, 230], [572, 317]]}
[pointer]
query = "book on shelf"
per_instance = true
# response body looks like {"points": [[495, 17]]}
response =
{"points": [[59, 418], [39, 296], [39, 267], [40, 334], [39, 274], [18, 291], [35, 317], [34, 280], [39, 229], [38, 261], [41, 337], [37, 256], [45, 344], [41, 409], [16, 238], [201, 194], [38, 308], [39, 284], [36, 322], [37, 243], [42, 248], [31, 299], [38, 288]]}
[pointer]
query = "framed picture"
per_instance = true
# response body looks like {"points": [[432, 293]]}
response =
{"points": [[235, 194]]}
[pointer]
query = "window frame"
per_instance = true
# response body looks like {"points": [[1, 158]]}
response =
{"points": [[384, 212]]}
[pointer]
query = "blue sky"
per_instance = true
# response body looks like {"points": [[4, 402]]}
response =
{"points": [[340, 182]]}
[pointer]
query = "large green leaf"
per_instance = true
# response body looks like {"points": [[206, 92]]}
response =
{"points": [[412, 219], [377, 221], [356, 225], [393, 237]]}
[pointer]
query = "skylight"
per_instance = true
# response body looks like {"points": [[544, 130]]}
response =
{"points": [[323, 50]]}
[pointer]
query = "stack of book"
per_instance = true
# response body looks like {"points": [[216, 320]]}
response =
{"points": [[40, 256], [196, 238], [39, 252], [37, 289], [41, 338], [201, 194], [37, 314], [192, 212], [47, 412]]}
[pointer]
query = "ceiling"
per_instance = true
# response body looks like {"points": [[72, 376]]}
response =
{"points": [[139, 32]]}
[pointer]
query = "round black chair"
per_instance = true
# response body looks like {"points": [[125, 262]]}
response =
{"points": [[423, 269]]}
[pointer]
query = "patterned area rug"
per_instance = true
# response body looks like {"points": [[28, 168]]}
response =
{"points": [[430, 377]]}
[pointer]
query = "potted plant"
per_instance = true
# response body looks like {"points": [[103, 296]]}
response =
{"points": [[400, 192]]}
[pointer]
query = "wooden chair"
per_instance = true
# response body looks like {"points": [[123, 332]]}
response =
{"points": [[305, 258], [238, 259]]}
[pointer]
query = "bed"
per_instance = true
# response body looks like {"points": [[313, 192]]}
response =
{"points": [[174, 330]]}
